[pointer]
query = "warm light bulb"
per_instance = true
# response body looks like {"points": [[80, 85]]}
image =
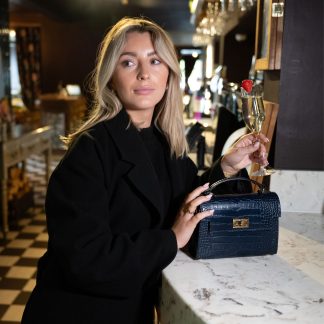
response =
{"points": [[12, 33]]}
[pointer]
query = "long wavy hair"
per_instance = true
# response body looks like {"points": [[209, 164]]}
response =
{"points": [[168, 112]]}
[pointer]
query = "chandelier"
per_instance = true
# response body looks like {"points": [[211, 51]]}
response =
{"points": [[217, 17]]}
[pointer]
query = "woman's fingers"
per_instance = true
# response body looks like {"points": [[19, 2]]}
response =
{"points": [[245, 140], [191, 206], [187, 218], [185, 224], [197, 192], [263, 138], [246, 150], [199, 216], [260, 158], [194, 199], [251, 138], [256, 144]]}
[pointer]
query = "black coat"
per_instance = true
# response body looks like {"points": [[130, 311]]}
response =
{"points": [[109, 237]]}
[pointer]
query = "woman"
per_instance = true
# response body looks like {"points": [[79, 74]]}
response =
{"points": [[117, 205]]}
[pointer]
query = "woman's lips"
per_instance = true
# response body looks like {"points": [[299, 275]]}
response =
{"points": [[143, 91]]}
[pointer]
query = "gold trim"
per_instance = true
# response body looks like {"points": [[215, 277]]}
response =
{"points": [[241, 223]]}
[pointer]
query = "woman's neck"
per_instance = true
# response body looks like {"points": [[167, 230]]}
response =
{"points": [[141, 119]]}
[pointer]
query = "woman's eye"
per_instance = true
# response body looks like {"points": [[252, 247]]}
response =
{"points": [[127, 63], [156, 61]]}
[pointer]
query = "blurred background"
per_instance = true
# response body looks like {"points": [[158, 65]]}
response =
{"points": [[47, 45], [48, 50]]}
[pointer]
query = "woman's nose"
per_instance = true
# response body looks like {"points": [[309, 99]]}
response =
{"points": [[142, 77], [143, 73]]}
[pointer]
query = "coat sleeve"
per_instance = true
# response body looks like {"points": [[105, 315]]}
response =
{"points": [[90, 257]]}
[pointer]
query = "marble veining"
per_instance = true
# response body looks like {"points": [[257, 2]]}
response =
{"points": [[307, 224], [299, 191], [283, 288]]}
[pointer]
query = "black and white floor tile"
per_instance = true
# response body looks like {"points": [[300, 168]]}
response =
{"points": [[26, 243]]}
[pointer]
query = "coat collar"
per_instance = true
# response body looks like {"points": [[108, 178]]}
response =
{"points": [[132, 150]]}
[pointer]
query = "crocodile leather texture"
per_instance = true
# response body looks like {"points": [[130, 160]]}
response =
{"points": [[241, 225]]}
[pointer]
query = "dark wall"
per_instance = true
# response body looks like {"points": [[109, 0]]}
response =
{"points": [[300, 131], [69, 46], [68, 49], [238, 55]]}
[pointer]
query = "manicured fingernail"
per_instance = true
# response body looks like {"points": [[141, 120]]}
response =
{"points": [[206, 185]]}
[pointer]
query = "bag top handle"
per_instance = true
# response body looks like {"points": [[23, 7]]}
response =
{"points": [[262, 187]]}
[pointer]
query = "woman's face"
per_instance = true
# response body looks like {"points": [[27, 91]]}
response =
{"points": [[140, 77]]}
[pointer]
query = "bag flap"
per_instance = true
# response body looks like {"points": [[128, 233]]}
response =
{"points": [[234, 205]]}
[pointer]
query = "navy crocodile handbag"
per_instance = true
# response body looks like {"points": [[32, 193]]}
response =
{"points": [[241, 225]]}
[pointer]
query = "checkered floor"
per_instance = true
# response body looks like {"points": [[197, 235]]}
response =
{"points": [[26, 242]]}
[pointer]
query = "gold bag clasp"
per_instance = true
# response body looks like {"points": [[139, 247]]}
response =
{"points": [[240, 223]]}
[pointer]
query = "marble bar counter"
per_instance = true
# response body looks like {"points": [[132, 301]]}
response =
{"points": [[284, 288]]}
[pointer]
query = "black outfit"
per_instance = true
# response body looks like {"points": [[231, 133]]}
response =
{"points": [[158, 151], [109, 211]]}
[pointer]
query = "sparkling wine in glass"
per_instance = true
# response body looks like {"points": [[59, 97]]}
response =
{"points": [[254, 115]]}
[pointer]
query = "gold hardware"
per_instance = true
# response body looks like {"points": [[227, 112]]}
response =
{"points": [[240, 222]]}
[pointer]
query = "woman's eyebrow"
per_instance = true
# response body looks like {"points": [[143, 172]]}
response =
{"points": [[135, 55]]}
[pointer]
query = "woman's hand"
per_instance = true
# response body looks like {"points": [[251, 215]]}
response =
{"points": [[248, 149], [187, 218]]}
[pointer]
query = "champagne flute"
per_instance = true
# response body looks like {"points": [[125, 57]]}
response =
{"points": [[254, 115]]}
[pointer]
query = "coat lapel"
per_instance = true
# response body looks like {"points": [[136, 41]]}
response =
{"points": [[132, 150]]}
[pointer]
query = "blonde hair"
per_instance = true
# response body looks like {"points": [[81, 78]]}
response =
{"points": [[168, 112]]}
